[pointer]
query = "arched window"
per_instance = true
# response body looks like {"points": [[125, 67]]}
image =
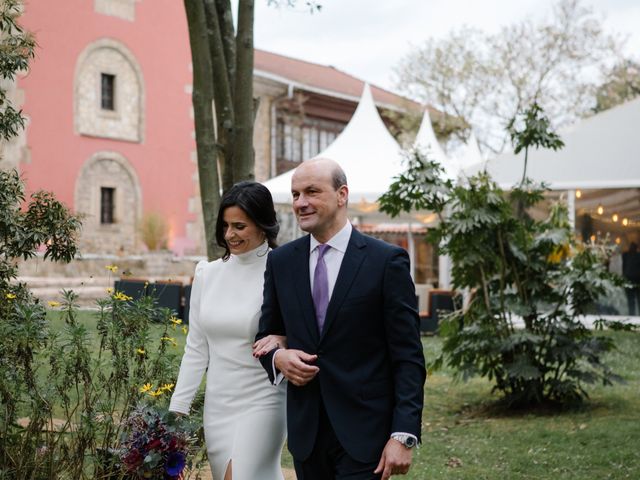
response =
{"points": [[108, 194], [109, 92]]}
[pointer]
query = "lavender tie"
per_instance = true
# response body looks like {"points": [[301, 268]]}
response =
{"points": [[320, 291]]}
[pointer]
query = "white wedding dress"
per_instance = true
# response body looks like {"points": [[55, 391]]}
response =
{"points": [[244, 415]]}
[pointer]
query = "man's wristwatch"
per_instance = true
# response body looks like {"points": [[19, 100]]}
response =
{"points": [[407, 440]]}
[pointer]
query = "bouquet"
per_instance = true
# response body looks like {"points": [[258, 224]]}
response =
{"points": [[157, 445]]}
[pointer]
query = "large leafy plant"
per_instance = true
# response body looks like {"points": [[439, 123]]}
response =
{"points": [[528, 280]]}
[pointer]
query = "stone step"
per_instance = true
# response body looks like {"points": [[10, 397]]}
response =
{"points": [[66, 282]]}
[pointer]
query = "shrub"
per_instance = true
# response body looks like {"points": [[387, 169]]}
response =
{"points": [[154, 231], [528, 280]]}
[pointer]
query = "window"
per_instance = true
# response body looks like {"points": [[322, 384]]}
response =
{"points": [[107, 91], [295, 142], [107, 205]]}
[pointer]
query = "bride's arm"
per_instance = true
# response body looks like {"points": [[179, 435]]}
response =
{"points": [[196, 352]]}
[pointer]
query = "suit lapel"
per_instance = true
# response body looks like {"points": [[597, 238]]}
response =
{"points": [[303, 287], [353, 257]]}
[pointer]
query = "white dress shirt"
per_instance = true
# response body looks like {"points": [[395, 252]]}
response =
{"points": [[332, 257]]}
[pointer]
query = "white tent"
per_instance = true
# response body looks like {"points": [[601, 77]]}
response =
{"points": [[366, 151], [469, 154], [426, 141], [600, 152]]}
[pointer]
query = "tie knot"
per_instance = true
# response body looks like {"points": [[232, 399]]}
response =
{"points": [[322, 248]]}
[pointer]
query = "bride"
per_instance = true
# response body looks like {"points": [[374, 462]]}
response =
{"points": [[244, 415]]}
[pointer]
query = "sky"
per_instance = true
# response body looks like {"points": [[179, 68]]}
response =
{"points": [[367, 38]]}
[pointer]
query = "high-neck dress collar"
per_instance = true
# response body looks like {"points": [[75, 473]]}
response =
{"points": [[253, 256]]}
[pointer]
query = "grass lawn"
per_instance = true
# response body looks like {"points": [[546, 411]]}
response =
{"points": [[464, 438]]}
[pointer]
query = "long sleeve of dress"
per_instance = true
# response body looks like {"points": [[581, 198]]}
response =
{"points": [[196, 352]]}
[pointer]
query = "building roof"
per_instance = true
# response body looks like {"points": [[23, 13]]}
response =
{"points": [[324, 79]]}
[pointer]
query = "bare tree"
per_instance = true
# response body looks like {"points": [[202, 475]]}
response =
{"points": [[486, 79], [621, 84]]}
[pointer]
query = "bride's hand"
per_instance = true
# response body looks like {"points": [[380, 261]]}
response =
{"points": [[268, 343]]}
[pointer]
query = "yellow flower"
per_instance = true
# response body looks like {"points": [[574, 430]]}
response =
{"points": [[559, 253], [184, 329], [167, 387], [112, 268], [109, 290], [146, 387], [170, 340], [122, 296], [11, 296], [140, 351], [175, 321], [53, 303], [156, 393]]}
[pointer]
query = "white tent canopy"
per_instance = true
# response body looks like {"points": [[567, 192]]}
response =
{"points": [[427, 142], [464, 156], [600, 152], [366, 151], [469, 154]]}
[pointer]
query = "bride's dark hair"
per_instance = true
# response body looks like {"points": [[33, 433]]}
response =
{"points": [[255, 200]]}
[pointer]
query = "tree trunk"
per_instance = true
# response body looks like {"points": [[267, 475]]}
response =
{"points": [[223, 103], [243, 166], [202, 97]]}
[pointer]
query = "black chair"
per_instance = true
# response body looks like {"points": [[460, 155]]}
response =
{"points": [[440, 302], [167, 295], [186, 298], [135, 288]]}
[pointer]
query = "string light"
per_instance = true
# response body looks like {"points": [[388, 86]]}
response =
{"points": [[618, 240], [614, 217], [578, 193], [600, 210], [625, 221]]}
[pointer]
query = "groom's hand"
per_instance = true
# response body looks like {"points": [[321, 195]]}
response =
{"points": [[395, 459], [296, 366]]}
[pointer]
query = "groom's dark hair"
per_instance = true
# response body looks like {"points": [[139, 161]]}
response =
{"points": [[255, 200]]}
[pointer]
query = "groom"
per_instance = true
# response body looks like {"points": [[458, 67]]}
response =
{"points": [[354, 361]]}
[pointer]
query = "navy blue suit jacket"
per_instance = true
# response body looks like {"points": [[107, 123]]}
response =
{"points": [[369, 353]]}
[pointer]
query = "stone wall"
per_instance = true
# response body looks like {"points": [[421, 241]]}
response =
{"points": [[88, 277], [14, 151], [124, 9]]}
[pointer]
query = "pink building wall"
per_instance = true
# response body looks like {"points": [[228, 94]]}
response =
{"points": [[158, 38]]}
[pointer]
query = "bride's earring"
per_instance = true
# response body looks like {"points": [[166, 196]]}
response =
{"points": [[266, 250]]}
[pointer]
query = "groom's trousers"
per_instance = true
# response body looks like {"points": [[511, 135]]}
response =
{"points": [[329, 461]]}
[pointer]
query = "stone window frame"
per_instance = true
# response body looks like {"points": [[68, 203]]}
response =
{"points": [[94, 208], [85, 55]]}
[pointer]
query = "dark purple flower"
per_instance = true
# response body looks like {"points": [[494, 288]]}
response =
{"points": [[175, 464]]}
